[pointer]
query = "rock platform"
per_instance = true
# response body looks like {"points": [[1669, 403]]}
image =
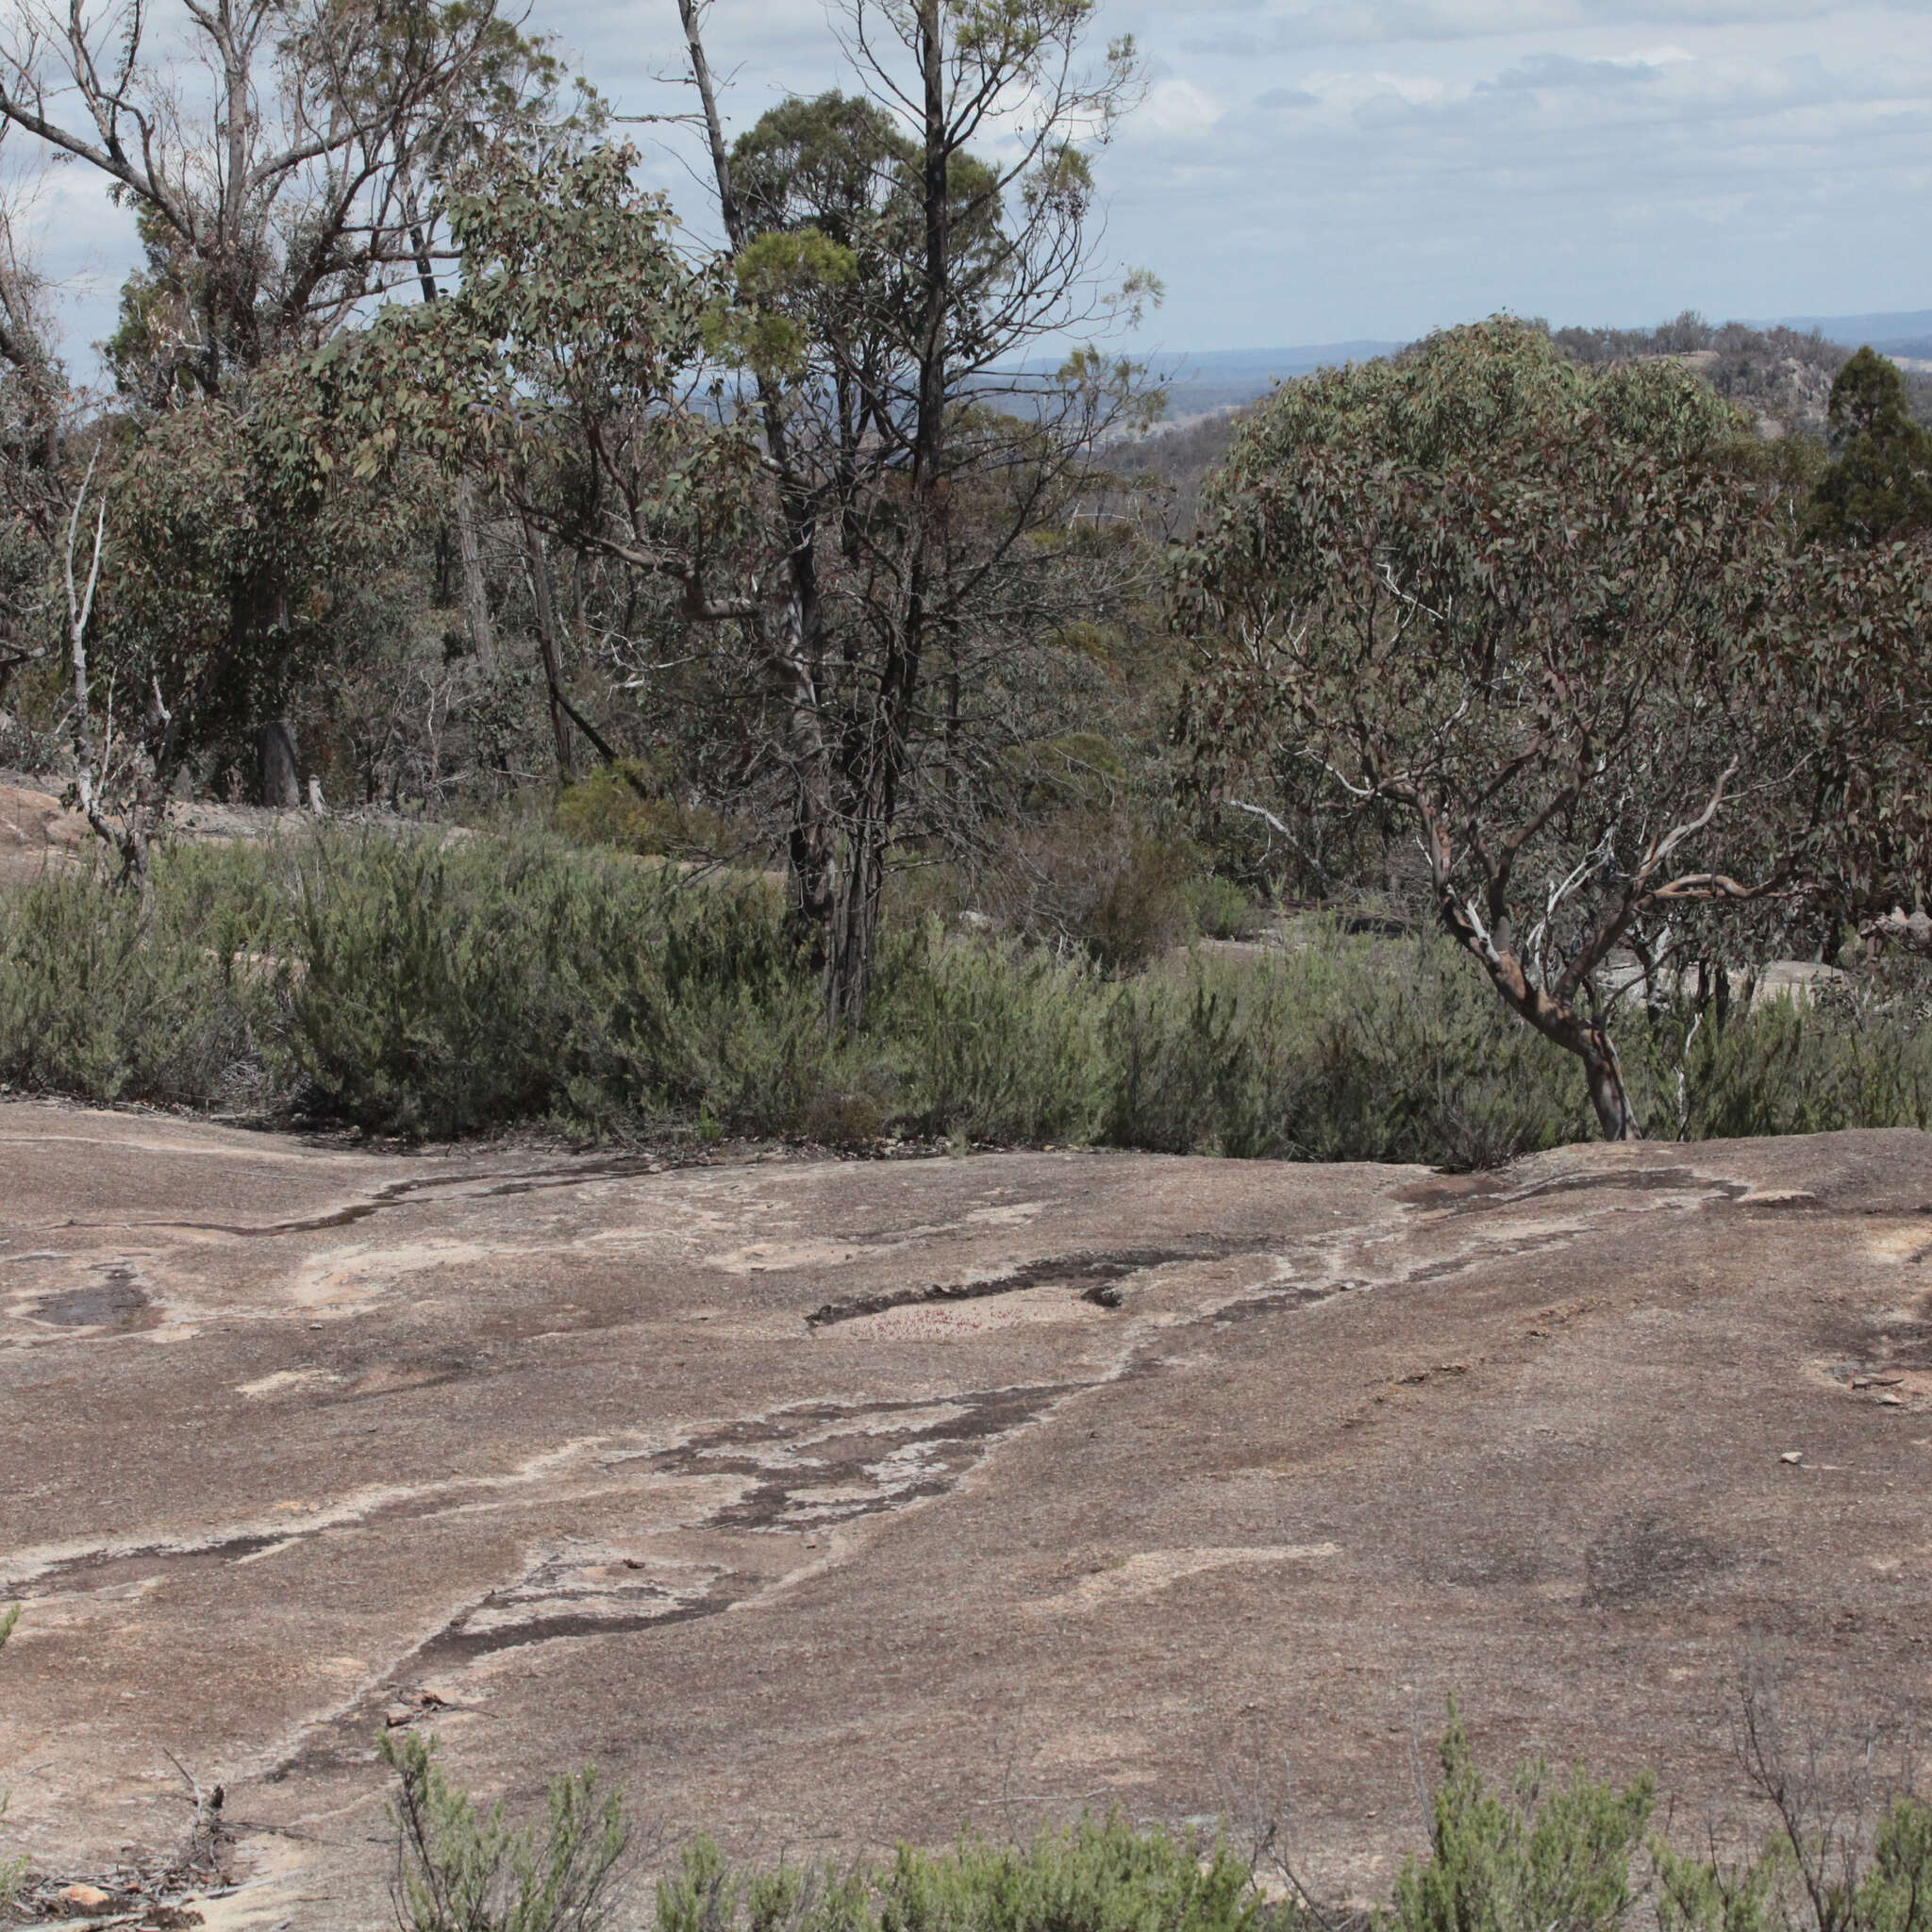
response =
{"points": [[825, 1504]]}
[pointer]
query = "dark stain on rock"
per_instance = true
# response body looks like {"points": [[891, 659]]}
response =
{"points": [[825, 1463], [460, 1642], [1085, 1272], [1644, 1559], [1462, 1194], [1282, 1301], [116, 1302], [97, 1566], [538, 1180]]}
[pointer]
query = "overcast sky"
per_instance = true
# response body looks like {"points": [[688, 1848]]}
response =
{"points": [[1309, 170]]}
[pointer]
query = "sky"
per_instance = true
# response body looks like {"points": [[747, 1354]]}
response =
{"points": [[1315, 171]]}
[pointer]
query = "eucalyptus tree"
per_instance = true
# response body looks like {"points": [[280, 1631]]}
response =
{"points": [[1547, 616], [37, 408], [294, 182], [894, 260], [285, 161]]}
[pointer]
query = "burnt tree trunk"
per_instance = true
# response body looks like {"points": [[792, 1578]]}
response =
{"points": [[543, 596], [475, 588], [281, 777]]}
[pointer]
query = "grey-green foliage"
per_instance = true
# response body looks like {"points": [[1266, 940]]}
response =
{"points": [[415, 987], [1097, 1876], [13, 1870], [1541, 1858], [1542, 1854], [464, 1869], [118, 996], [441, 991], [1823, 1881]]}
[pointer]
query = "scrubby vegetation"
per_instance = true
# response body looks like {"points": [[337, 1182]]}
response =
{"points": [[1542, 1854], [413, 986], [12, 1870], [444, 478]]}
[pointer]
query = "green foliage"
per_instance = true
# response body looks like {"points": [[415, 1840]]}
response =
{"points": [[1830, 1882], [1099, 882], [1222, 909], [1542, 1854], [1710, 1895], [160, 997], [1094, 1876], [992, 1040], [13, 1871], [1895, 1894], [1544, 1858], [1537, 613], [442, 990], [416, 988], [619, 805], [463, 1869], [1879, 485]]}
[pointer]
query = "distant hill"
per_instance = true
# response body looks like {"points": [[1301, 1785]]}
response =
{"points": [[1905, 332], [1217, 379], [1207, 382]]}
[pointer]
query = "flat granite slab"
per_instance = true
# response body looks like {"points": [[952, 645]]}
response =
{"points": [[825, 1504]]}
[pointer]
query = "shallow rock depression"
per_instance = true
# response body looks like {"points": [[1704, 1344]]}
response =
{"points": [[823, 1504]]}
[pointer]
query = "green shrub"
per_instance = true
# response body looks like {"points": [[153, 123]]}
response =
{"points": [[418, 987], [1096, 882], [462, 1869], [159, 998], [1540, 1854], [1221, 910], [13, 1871], [442, 990], [621, 805], [1544, 1858], [1094, 1876], [991, 1041], [1345, 1049]]}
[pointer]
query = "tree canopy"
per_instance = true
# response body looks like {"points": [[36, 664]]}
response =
{"points": [[1530, 606], [1879, 484]]}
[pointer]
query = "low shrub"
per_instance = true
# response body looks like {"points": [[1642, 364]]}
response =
{"points": [[1093, 882], [1542, 1854], [621, 805], [160, 998], [13, 1870], [463, 1869], [1222, 909], [429, 989], [1542, 1857]]}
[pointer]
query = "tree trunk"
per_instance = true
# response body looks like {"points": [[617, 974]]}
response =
{"points": [[543, 595], [1559, 1023], [854, 917], [469, 552], [475, 588], [797, 658], [281, 781], [1604, 1072]]}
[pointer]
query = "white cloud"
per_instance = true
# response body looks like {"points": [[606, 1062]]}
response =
{"points": [[1177, 107], [1319, 170]]}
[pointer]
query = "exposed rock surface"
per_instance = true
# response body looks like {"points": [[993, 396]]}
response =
{"points": [[826, 1503], [38, 835]]}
